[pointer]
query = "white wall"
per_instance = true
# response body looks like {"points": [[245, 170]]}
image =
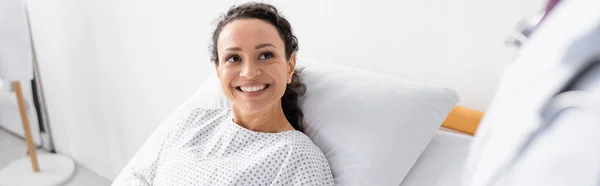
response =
{"points": [[113, 69]]}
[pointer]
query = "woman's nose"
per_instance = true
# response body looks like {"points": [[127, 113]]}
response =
{"points": [[250, 70]]}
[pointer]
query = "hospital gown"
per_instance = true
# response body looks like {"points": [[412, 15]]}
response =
{"points": [[208, 148]]}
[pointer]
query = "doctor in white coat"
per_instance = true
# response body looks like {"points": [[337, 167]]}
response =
{"points": [[543, 128]]}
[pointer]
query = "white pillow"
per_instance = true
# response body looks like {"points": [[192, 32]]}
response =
{"points": [[371, 127]]}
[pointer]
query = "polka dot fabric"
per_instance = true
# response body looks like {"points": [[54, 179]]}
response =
{"points": [[208, 148]]}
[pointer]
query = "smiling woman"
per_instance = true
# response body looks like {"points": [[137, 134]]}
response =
{"points": [[254, 73], [253, 39], [259, 140]]}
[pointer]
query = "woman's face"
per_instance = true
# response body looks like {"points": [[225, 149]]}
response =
{"points": [[252, 66]]}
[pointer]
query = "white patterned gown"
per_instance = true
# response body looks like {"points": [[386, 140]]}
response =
{"points": [[208, 148]]}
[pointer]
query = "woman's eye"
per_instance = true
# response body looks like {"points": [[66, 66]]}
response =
{"points": [[267, 55], [234, 59]]}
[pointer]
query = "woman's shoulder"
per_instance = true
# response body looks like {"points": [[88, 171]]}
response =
{"points": [[306, 160], [302, 145], [197, 118], [210, 112], [203, 116]]}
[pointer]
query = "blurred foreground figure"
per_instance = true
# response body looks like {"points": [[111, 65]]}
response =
{"points": [[543, 127]]}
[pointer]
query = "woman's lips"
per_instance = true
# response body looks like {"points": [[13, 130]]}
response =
{"points": [[252, 90]]}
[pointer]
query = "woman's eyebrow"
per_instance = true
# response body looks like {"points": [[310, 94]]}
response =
{"points": [[233, 49], [257, 47], [264, 45]]}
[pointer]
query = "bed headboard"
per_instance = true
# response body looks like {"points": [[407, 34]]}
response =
{"points": [[463, 119]]}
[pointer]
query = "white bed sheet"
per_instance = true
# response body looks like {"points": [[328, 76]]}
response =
{"points": [[442, 163]]}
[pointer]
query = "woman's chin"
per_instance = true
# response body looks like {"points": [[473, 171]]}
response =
{"points": [[253, 107], [255, 102]]}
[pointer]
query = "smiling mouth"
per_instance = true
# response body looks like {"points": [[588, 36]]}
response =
{"points": [[250, 89]]}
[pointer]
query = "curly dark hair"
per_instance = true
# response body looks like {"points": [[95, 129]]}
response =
{"points": [[268, 13]]}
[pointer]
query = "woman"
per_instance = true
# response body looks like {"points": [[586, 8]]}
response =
{"points": [[259, 141]]}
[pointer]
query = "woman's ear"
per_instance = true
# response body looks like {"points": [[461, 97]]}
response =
{"points": [[292, 67]]}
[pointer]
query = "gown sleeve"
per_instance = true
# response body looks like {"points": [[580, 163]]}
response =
{"points": [[305, 165]]}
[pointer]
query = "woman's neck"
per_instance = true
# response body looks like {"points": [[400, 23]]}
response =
{"points": [[269, 120]]}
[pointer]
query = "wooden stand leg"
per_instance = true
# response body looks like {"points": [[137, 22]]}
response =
{"points": [[26, 128]]}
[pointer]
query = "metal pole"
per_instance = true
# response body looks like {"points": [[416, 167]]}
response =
{"points": [[46, 134]]}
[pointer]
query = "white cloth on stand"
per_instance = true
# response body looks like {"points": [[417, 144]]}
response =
{"points": [[16, 56]]}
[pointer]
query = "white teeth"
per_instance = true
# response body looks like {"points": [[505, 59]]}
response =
{"points": [[253, 88]]}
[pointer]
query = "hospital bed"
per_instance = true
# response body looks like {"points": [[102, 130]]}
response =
{"points": [[388, 135], [442, 162]]}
